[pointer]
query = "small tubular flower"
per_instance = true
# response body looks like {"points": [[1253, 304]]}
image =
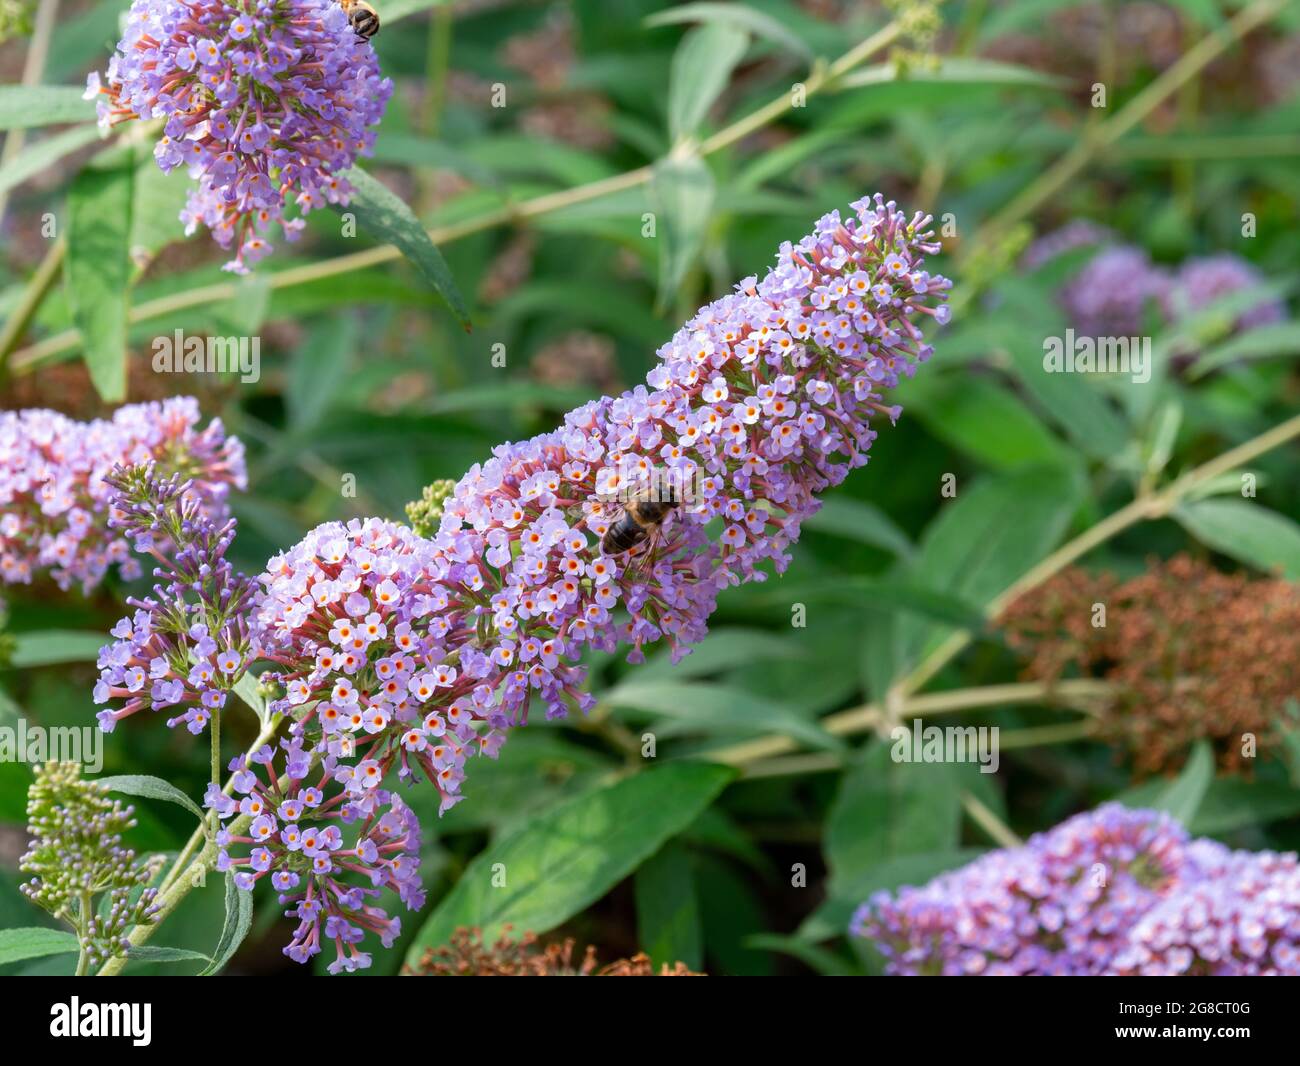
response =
{"points": [[55, 497], [264, 101], [329, 843]]}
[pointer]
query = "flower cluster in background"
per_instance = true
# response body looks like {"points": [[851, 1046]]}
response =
{"points": [[468, 956], [1120, 292], [1112, 891], [1190, 652], [262, 102], [392, 652], [76, 855], [56, 501]]}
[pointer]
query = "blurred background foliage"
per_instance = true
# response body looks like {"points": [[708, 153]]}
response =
{"points": [[366, 373]]}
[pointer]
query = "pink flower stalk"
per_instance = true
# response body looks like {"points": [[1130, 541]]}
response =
{"points": [[56, 502], [426, 651], [398, 653]]}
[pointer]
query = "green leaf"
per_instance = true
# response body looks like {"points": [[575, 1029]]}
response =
{"points": [[400, 9], [537, 770], [832, 918], [33, 943], [702, 66], [50, 646], [1273, 341], [885, 596], [148, 953], [821, 960], [1073, 403], [98, 269], [985, 420], [1231, 803], [738, 16], [885, 809], [699, 707], [319, 370], [385, 217], [725, 648], [682, 191], [995, 530], [858, 520], [239, 918], [1182, 797], [150, 788], [667, 910], [975, 549], [155, 218], [246, 688], [35, 158], [27, 106], [1245, 531], [567, 858]]}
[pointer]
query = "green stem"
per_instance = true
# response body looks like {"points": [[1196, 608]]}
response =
{"points": [[186, 875], [33, 72], [33, 356], [33, 296], [1077, 694], [999, 832], [215, 767], [83, 927]]}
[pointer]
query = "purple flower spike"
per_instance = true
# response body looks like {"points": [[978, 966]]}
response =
{"points": [[415, 655], [263, 102], [1113, 891]]}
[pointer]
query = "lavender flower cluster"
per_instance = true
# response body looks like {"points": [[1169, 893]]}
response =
{"points": [[398, 653], [56, 501], [293, 835], [263, 100], [1112, 891], [189, 643], [1120, 290]]}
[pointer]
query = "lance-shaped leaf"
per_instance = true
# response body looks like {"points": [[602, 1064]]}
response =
{"points": [[98, 270], [382, 214]]}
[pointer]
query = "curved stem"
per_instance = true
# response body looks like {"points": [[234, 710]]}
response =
{"points": [[83, 923], [1076, 694]]}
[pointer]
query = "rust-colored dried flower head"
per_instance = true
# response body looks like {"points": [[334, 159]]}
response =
{"points": [[468, 956], [1190, 652]]}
